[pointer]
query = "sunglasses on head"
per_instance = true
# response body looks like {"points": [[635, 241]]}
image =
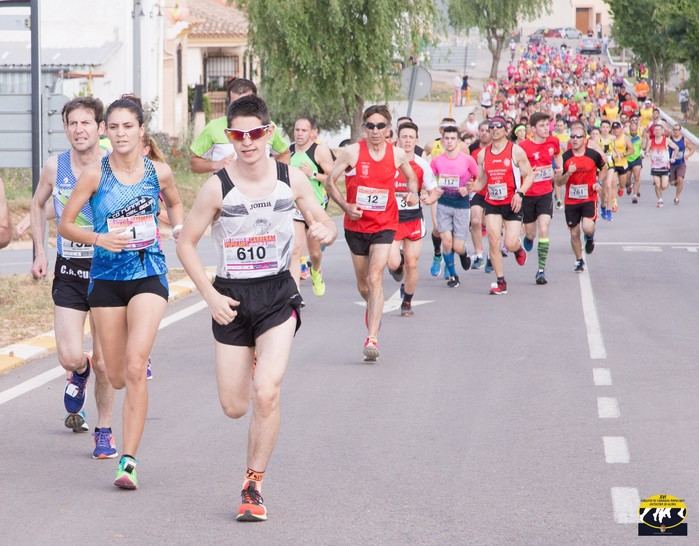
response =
{"points": [[253, 134], [371, 126]]}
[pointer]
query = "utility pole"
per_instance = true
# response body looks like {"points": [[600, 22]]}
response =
{"points": [[37, 134], [136, 14]]}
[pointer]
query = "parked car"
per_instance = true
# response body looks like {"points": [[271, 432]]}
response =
{"points": [[552, 33], [570, 33], [590, 46]]}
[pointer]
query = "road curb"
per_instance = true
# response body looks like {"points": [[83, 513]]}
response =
{"points": [[17, 354]]}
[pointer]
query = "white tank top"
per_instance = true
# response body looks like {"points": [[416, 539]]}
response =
{"points": [[254, 238]]}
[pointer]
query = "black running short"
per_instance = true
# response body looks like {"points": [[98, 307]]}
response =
{"points": [[264, 303], [359, 243], [620, 170], [103, 293], [575, 213], [505, 211], [535, 205], [660, 172], [70, 282], [478, 200], [638, 162]]}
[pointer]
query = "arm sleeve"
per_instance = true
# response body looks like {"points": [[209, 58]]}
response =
{"points": [[428, 181]]}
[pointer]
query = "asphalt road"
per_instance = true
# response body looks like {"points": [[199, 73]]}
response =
{"points": [[482, 423]]}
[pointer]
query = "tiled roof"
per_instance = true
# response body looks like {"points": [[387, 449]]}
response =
{"points": [[216, 19]]}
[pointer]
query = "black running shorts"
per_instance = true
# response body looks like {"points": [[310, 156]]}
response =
{"points": [[103, 293], [535, 205], [575, 213], [505, 211], [264, 303], [478, 200], [359, 243], [70, 281]]}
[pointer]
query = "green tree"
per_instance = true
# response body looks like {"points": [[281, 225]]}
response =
{"points": [[497, 19], [683, 25], [325, 58], [645, 27]]}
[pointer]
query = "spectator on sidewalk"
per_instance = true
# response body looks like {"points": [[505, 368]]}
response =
{"points": [[5, 225], [684, 103], [456, 82]]}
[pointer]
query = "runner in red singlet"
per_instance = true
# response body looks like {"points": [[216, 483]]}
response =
{"points": [[501, 165], [371, 211]]}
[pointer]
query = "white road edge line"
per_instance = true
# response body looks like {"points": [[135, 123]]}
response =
{"points": [[43, 378], [616, 243], [616, 450], [595, 341], [602, 377], [625, 501], [607, 408]]}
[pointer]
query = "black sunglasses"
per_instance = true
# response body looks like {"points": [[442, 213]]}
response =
{"points": [[577, 136], [496, 126], [371, 126]]}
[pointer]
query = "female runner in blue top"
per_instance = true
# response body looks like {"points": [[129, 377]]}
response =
{"points": [[128, 288]]}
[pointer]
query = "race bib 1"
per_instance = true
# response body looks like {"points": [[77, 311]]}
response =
{"points": [[449, 181], [71, 249], [543, 173], [402, 200], [578, 191], [497, 192], [255, 253], [142, 230], [372, 199]]}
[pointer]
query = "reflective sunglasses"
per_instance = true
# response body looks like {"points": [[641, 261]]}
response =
{"points": [[253, 134], [496, 126], [371, 126], [577, 136]]}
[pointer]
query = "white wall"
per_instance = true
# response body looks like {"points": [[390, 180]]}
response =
{"points": [[561, 14]]}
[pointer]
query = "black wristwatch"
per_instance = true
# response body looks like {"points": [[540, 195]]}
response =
{"points": [[521, 194]]}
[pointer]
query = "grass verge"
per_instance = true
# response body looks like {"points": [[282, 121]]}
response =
{"points": [[32, 306]]}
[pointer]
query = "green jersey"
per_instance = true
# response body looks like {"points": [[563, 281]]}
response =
{"points": [[308, 158], [213, 143]]}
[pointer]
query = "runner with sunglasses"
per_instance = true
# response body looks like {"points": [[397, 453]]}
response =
{"points": [[583, 168], [371, 210], [128, 289], [506, 173], [254, 302], [678, 167]]}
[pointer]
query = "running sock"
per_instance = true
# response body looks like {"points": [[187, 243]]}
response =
{"points": [[543, 250], [407, 298], [437, 244], [255, 476], [588, 237], [105, 428], [85, 371], [449, 261]]}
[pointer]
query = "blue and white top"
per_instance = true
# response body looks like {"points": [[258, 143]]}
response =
{"points": [[62, 189], [134, 208], [679, 153]]}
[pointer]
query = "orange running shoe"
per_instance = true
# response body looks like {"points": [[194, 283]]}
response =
{"points": [[251, 504]]}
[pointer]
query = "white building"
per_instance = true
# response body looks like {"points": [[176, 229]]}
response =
{"points": [[581, 14]]}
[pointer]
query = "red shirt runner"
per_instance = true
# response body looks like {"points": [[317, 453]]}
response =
{"points": [[581, 186], [501, 182], [541, 156], [372, 188]]}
